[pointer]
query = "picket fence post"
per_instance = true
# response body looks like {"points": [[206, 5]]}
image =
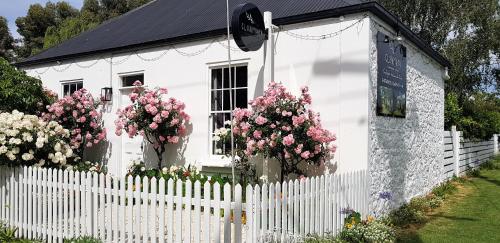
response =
{"points": [[495, 144], [455, 136]]}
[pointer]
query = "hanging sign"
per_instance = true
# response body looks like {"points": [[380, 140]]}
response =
{"points": [[391, 77], [247, 26]]}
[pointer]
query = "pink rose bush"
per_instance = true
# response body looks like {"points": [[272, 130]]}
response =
{"points": [[159, 121], [79, 113], [280, 125]]}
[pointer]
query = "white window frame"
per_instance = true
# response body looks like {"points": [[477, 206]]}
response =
{"points": [[215, 159], [128, 74], [69, 82]]}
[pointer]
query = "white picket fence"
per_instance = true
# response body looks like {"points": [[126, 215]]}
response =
{"points": [[461, 154], [55, 204]]}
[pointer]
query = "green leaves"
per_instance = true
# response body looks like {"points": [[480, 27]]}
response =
{"points": [[21, 92]]}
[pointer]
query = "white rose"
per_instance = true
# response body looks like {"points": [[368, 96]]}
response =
{"points": [[3, 150], [143, 168], [15, 150], [164, 170], [216, 138], [57, 147]]}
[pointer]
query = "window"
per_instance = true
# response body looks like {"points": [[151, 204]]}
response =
{"points": [[68, 88], [129, 80], [220, 108]]}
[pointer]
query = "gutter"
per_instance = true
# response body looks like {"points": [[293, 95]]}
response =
{"points": [[372, 7]]}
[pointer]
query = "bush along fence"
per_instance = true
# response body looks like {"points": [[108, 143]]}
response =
{"points": [[461, 155], [52, 205]]}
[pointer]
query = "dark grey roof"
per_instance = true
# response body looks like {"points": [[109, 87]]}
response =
{"points": [[174, 21]]}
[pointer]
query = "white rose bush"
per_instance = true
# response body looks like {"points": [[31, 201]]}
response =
{"points": [[29, 140]]}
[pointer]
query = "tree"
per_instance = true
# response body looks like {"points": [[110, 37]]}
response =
{"points": [[21, 92], [159, 121], [93, 13], [281, 126], [33, 26], [467, 33], [6, 40]]}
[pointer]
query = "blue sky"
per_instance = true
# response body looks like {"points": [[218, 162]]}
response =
{"points": [[11, 9]]}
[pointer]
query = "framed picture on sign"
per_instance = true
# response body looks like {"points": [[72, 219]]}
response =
{"points": [[391, 77]]}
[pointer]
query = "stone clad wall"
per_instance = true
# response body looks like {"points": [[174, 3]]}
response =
{"points": [[405, 154]]}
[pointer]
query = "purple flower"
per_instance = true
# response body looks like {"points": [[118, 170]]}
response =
{"points": [[385, 195]]}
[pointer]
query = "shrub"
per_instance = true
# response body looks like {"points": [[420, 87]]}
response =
{"points": [[87, 166], [138, 168], [83, 239], [408, 213], [160, 122], [79, 113], [21, 92], [444, 189], [29, 140], [281, 126], [369, 232]]}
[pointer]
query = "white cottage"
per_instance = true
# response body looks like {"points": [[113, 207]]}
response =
{"points": [[330, 45]]}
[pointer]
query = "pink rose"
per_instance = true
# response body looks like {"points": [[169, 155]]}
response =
{"points": [[260, 120], [305, 154], [153, 125], [288, 140], [257, 134]]}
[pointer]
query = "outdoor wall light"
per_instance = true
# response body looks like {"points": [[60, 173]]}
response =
{"points": [[106, 93]]}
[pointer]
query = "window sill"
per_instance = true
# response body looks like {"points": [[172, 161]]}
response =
{"points": [[131, 87]]}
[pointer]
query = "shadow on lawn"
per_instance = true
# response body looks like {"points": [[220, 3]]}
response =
{"points": [[492, 181]]}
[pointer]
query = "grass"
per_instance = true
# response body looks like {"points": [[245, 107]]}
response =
{"points": [[470, 214]]}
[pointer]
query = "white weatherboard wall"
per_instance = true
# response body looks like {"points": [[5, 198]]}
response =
{"points": [[335, 69], [405, 155]]}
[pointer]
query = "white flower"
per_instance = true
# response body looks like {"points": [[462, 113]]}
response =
{"points": [[164, 170], [40, 163], [143, 168], [173, 168], [27, 156], [57, 147], [216, 138], [15, 150], [223, 131], [3, 149], [218, 151], [228, 122]]}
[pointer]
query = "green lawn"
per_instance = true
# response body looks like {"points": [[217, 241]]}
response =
{"points": [[470, 215]]}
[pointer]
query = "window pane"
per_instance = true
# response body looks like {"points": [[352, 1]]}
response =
{"points": [[216, 100], [242, 77], [217, 78], [218, 120], [226, 78], [226, 101], [72, 88], [65, 90], [128, 81], [79, 85], [241, 98]]}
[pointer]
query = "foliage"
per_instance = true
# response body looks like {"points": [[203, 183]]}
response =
{"points": [[87, 166], [6, 40], [467, 34], [444, 189], [160, 122], [83, 239], [21, 92], [33, 26], [478, 116], [29, 140], [138, 168], [281, 126], [366, 231], [68, 29], [93, 13], [8, 234], [79, 113]]}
